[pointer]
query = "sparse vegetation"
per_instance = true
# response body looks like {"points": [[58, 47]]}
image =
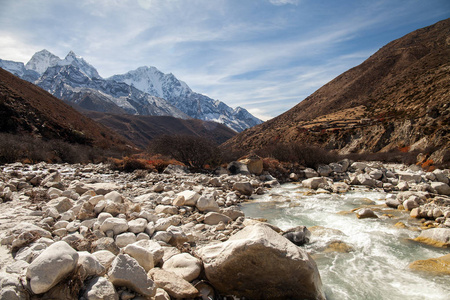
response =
{"points": [[156, 163], [193, 151], [306, 155], [28, 149]]}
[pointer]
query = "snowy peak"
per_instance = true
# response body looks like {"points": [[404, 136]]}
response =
{"points": [[154, 82], [79, 62], [42, 60]]}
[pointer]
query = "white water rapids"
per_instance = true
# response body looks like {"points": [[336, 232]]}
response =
{"points": [[377, 268]]}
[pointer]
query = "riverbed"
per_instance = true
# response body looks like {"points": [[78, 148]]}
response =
{"points": [[375, 254]]}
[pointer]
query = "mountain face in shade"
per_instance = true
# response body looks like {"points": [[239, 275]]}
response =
{"points": [[144, 91], [142, 129], [397, 98]]}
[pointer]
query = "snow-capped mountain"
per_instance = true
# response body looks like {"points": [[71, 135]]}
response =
{"points": [[69, 82], [178, 93], [19, 69], [41, 61], [77, 61], [144, 91]]}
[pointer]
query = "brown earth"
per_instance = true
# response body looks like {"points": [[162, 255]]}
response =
{"points": [[142, 129], [397, 98], [26, 109]]}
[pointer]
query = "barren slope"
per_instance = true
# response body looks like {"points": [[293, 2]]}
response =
{"points": [[27, 109], [398, 97], [142, 129]]}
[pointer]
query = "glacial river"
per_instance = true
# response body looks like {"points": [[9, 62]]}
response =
{"points": [[376, 267]]}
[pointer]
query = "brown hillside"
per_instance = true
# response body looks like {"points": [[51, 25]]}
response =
{"points": [[27, 109], [399, 97], [142, 129]]}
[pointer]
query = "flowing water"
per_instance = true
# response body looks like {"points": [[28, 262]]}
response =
{"points": [[377, 265]]}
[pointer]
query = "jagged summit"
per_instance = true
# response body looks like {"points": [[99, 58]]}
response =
{"points": [[42, 60], [79, 62]]}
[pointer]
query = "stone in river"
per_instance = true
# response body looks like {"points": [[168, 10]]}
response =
{"points": [[299, 235], [438, 237], [435, 266]]}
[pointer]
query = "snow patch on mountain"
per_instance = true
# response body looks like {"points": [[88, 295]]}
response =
{"points": [[41, 61], [79, 62]]}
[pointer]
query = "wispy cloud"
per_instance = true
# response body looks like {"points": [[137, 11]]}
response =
{"points": [[263, 55], [284, 2]]}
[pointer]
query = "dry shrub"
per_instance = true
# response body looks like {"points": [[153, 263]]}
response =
{"points": [[306, 155], [141, 162], [193, 151], [159, 162], [28, 149], [428, 165], [127, 164]]}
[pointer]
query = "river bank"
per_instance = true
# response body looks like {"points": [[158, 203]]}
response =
{"points": [[163, 222]]}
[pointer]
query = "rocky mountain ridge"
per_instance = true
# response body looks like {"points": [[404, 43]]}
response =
{"points": [[144, 91], [397, 98]]}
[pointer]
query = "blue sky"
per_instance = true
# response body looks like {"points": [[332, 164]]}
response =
{"points": [[263, 55]]}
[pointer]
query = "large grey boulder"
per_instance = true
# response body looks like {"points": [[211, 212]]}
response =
{"points": [[441, 188], [137, 225], [190, 197], [174, 285], [258, 263], [154, 248], [409, 177], [99, 288], [213, 218], [324, 170], [365, 179], [51, 266], [117, 225], [245, 188], [310, 173], [105, 257], [142, 255], [440, 176], [314, 182], [89, 265], [206, 204], [184, 265], [126, 271]]}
